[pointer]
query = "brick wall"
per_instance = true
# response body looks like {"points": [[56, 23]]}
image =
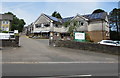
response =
{"points": [[97, 36]]}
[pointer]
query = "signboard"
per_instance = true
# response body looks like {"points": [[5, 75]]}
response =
{"points": [[16, 31], [79, 36], [4, 36]]}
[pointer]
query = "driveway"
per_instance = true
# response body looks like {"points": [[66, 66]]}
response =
{"points": [[38, 50], [36, 58]]}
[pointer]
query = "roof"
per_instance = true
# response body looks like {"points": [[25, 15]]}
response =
{"points": [[6, 17], [96, 16], [67, 19], [53, 18]]}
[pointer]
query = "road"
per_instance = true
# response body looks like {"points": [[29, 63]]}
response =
{"points": [[36, 58]]}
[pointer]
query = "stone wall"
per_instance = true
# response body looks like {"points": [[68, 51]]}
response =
{"points": [[87, 46], [10, 42]]}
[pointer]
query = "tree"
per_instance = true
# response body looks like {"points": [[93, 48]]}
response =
{"points": [[17, 24], [72, 25], [56, 14], [98, 11], [114, 20]]}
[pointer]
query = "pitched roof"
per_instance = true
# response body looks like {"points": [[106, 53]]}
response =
{"points": [[67, 19], [53, 18], [96, 16]]}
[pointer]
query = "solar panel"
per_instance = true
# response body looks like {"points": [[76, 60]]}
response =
{"points": [[53, 18], [97, 16]]}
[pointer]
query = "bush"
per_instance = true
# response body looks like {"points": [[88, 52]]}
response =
{"points": [[4, 31], [16, 34]]}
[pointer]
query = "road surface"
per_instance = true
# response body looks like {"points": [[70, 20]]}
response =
{"points": [[36, 58]]}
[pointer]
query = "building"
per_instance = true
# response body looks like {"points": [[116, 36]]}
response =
{"points": [[28, 29], [95, 25], [5, 22]]}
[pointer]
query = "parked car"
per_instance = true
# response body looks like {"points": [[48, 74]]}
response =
{"points": [[118, 43], [109, 42]]}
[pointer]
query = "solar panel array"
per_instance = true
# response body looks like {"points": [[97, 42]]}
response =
{"points": [[93, 16], [53, 18], [96, 16]]}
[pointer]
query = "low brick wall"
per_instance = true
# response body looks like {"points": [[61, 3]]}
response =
{"points": [[87, 46], [10, 42]]}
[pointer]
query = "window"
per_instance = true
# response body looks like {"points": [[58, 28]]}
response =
{"points": [[38, 25], [5, 22], [46, 25], [56, 25], [81, 23]]}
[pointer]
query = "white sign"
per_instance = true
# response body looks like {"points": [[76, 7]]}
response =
{"points": [[16, 31], [4, 36], [80, 36]]}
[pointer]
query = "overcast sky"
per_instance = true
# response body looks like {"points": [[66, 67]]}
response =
{"points": [[30, 11]]}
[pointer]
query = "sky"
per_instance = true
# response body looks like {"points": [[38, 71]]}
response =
{"points": [[30, 11]]}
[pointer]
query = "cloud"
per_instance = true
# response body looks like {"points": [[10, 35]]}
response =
{"points": [[28, 17], [21, 12]]}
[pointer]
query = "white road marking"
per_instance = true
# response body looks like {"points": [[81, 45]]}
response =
{"points": [[76, 76], [54, 62]]}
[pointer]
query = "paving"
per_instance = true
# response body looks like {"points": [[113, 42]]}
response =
{"points": [[38, 50], [36, 58]]}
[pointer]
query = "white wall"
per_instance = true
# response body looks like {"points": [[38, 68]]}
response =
{"points": [[97, 26]]}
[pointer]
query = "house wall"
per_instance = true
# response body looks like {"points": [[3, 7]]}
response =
{"points": [[5, 25], [98, 26], [60, 29], [41, 20], [83, 27], [98, 30], [97, 36]]}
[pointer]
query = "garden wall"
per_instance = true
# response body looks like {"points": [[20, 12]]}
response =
{"points": [[86, 46], [10, 42]]}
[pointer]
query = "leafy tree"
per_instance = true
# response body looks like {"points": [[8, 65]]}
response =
{"points": [[114, 20], [72, 25], [56, 14], [17, 24], [66, 24], [98, 11], [0, 30]]}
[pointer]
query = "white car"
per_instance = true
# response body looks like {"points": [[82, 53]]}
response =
{"points": [[109, 42], [118, 43]]}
